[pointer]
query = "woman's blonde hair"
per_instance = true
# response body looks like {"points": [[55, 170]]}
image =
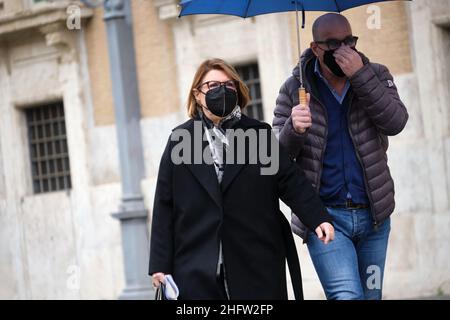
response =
{"points": [[216, 64]]}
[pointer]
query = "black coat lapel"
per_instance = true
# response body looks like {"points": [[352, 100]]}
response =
{"points": [[232, 169], [206, 173], [203, 172]]}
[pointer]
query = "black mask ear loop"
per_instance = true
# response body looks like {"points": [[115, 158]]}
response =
{"points": [[198, 101], [205, 107]]}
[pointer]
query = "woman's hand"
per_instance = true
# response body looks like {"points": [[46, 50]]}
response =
{"points": [[157, 279], [325, 232]]}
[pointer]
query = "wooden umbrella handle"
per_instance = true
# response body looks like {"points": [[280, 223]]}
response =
{"points": [[302, 96]]}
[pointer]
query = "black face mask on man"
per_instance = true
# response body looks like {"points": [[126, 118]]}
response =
{"points": [[330, 61], [221, 101]]}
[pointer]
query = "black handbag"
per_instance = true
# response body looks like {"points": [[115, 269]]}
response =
{"points": [[160, 292]]}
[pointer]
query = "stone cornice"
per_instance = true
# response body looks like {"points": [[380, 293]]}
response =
{"points": [[167, 9], [39, 16], [442, 21]]}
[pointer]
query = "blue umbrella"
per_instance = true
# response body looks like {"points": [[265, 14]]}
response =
{"points": [[251, 8]]}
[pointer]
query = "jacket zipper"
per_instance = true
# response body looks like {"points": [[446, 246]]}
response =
{"points": [[325, 146], [375, 222], [326, 130]]}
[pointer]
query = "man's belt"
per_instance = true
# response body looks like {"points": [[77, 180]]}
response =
{"points": [[349, 204]]}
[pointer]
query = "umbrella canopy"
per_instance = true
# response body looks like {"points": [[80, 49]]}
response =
{"points": [[251, 8]]}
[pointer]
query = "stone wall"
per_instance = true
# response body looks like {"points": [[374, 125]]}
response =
{"points": [[66, 245]]}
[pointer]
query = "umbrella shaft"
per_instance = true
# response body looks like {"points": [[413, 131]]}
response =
{"points": [[298, 45], [298, 30]]}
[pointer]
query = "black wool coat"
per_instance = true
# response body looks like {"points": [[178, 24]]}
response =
{"points": [[192, 213]]}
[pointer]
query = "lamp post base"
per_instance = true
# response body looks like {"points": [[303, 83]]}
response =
{"points": [[137, 293], [135, 246]]}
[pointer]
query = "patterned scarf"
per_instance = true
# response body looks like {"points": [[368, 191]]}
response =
{"points": [[217, 139]]}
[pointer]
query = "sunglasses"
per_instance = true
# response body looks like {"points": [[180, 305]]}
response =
{"points": [[333, 44]]}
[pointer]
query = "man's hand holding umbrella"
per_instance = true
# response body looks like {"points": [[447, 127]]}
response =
{"points": [[301, 116]]}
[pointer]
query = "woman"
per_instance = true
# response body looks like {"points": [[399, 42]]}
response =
{"points": [[217, 227]]}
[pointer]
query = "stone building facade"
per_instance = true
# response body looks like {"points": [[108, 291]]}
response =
{"points": [[58, 240]]}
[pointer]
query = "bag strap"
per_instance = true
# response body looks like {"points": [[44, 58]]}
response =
{"points": [[160, 292], [292, 258]]}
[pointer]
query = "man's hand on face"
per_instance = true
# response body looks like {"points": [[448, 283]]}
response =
{"points": [[349, 60]]}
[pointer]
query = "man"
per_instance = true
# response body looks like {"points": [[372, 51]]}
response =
{"points": [[340, 140]]}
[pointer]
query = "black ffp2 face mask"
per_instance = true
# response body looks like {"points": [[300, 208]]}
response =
{"points": [[221, 101], [330, 62]]}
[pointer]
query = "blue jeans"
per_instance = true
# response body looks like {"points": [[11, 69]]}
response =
{"points": [[352, 266]]}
